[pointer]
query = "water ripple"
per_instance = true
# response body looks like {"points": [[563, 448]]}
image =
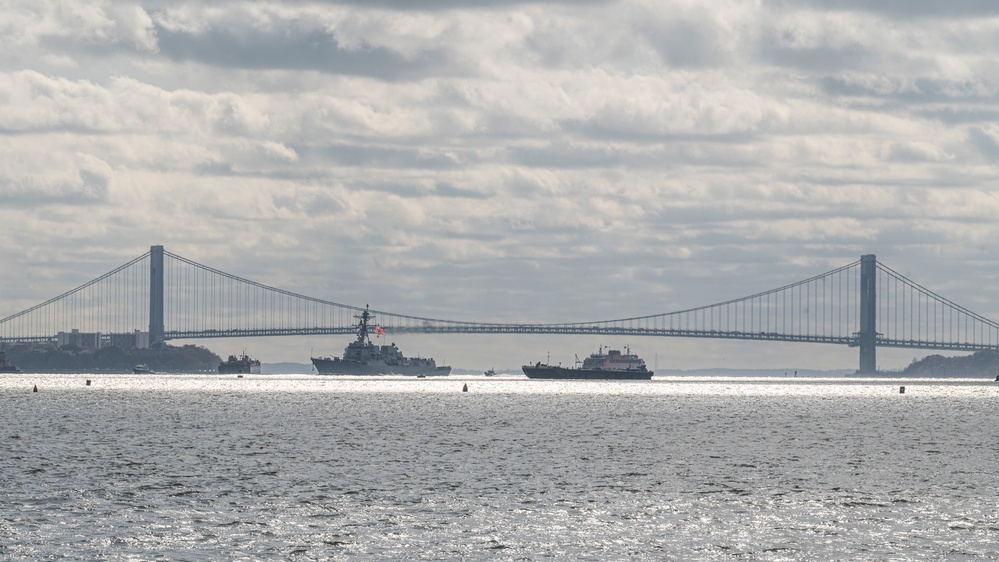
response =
{"points": [[306, 467]]}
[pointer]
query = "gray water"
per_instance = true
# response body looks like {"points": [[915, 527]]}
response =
{"points": [[313, 468]]}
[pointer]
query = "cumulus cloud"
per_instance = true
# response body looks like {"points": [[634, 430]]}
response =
{"points": [[103, 25], [507, 159], [986, 140], [38, 180], [901, 8], [316, 49]]}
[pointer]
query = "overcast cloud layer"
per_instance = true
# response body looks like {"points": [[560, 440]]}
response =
{"points": [[502, 161]]}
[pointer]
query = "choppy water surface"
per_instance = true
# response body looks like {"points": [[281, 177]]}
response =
{"points": [[308, 467]]}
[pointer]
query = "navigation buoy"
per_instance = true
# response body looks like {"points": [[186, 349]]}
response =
{"points": [[35, 389], [901, 390], [465, 388], [88, 382]]}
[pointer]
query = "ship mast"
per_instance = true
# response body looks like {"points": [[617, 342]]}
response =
{"points": [[362, 326]]}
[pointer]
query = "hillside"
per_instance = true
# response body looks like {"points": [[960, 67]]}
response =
{"points": [[978, 364], [70, 359]]}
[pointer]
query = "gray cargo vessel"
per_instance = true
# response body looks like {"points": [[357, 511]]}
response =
{"points": [[613, 365], [240, 365], [361, 357]]}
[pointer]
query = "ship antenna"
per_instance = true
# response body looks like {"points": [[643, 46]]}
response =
{"points": [[362, 325]]}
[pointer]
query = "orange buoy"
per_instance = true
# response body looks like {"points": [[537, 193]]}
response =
{"points": [[465, 388]]}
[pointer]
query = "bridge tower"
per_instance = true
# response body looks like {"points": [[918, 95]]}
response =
{"points": [[156, 328], [868, 314]]}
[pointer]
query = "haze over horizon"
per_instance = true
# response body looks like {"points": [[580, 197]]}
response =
{"points": [[504, 160]]}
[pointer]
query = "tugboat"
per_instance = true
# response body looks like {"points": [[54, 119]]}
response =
{"points": [[239, 365], [613, 365], [5, 366], [490, 373], [361, 357], [143, 370]]}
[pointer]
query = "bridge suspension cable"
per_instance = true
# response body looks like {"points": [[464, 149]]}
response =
{"points": [[912, 316], [820, 309], [114, 303], [226, 305]]}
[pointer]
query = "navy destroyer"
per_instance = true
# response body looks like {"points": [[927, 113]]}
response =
{"points": [[361, 357], [613, 365]]}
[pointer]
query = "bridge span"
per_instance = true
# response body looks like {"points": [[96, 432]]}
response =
{"points": [[160, 296]]}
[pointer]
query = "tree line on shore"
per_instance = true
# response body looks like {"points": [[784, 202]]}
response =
{"points": [[73, 359], [978, 364]]}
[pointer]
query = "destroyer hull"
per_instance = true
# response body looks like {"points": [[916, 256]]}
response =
{"points": [[337, 366], [550, 372]]}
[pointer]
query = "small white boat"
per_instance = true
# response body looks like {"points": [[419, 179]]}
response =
{"points": [[142, 370]]}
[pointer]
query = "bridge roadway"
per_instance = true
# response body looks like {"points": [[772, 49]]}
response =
{"points": [[557, 329], [853, 341]]}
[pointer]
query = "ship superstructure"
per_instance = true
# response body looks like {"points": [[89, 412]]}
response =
{"points": [[240, 365], [362, 357]]}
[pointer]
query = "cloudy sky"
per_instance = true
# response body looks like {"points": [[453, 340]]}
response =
{"points": [[502, 160]]}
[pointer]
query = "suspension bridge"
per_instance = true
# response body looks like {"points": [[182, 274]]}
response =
{"points": [[160, 296]]}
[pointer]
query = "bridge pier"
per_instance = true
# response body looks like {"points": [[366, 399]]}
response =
{"points": [[156, 328], [867, 337]]}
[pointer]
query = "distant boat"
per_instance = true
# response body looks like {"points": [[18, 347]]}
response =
{"points": [[241, 364], [143, 370], [490, 372], [5, 366]]}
